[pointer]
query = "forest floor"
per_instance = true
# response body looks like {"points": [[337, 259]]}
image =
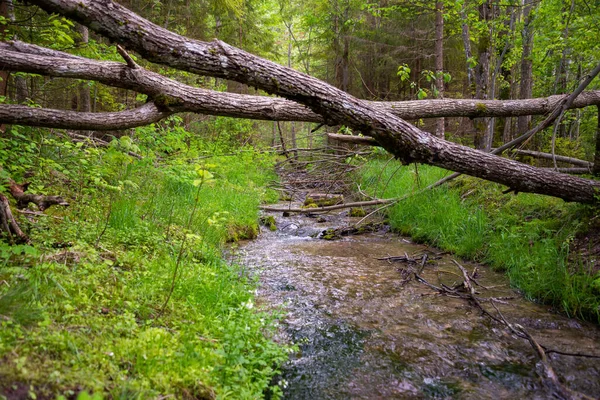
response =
{"points": [[125, 294]]}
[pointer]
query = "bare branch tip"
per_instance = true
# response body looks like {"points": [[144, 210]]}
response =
{"points": [[130, 62]]}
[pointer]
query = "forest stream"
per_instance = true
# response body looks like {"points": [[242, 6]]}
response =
{"points": [[366, 330]]}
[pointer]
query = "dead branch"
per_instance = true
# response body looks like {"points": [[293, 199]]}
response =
{"points": [[8, 223], [327, 208], [364, 140], [549, 156], [41, 201], [547, 375]]}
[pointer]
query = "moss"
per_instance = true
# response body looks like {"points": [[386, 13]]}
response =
{"points": [[163, 100], [330, 234], [357, 212], [311, 202], [236, 232], [275, 83], [269, 222], [481, 108]]}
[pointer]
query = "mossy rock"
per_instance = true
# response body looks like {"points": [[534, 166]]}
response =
{"points": [[269, 222], [338, 233], [330, 234], [357, 212], [323, 200], [237, 232]]}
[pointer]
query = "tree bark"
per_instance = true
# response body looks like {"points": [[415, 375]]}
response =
{"points": [[85, 102], [4, 74], [484, 135], [439, 61], [596, 168], [526, 85], [397, 136]]}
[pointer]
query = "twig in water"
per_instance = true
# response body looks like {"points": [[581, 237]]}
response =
{"points": [[548, 375]]}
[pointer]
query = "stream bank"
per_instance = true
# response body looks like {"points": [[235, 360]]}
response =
{"points": [[550, 249], [365, 332]]}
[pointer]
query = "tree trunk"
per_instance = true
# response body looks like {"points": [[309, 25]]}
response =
{"points": [[342, 51], [526, 85], [439, 61], [4, 74], [483, 134], [289, 64], [85, 102], [466, 37], [596, 168], [346, 64], [397, 136]]}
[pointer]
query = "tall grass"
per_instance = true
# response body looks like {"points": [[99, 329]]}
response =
{"points": [[525, 235], [89, 314]]}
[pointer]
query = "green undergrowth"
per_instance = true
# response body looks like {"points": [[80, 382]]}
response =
{"points": [[125, 293], [528, 236]]}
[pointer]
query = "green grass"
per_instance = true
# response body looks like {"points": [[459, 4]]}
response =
{"points": [[526, 235], [85, 308]]}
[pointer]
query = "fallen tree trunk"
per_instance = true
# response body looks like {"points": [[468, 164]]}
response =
{"points": [[367, 141], [24, 57], [397, 136], [549, 156]]}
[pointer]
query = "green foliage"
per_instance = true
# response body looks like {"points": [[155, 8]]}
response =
{"points": [[83, 308], [58, 32], [528, 236]]}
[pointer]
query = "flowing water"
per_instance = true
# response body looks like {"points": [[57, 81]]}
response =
{"points": [[366, 332]]}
